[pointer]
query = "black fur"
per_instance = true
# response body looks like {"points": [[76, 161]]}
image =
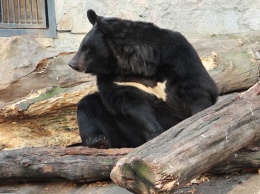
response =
{"points": [[117, 50]]}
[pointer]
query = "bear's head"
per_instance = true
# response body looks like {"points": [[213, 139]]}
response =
{"points": [[94, 56], [113, 46]]}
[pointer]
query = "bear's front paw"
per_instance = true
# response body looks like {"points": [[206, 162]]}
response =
{"points": [[98, 141]]}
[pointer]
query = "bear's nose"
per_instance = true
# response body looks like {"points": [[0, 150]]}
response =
{"points": [[72, 64]]}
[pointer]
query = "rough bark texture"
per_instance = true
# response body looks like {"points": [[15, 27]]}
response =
{"points": [[245, 159], [75, 164], [192, 147]]}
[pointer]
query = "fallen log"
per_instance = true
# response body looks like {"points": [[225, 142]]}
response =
{"points": [[79, 164], [232, 61], [82, 164], [192, 147]]}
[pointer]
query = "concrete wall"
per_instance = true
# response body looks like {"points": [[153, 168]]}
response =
{"points": [[191, 17]]}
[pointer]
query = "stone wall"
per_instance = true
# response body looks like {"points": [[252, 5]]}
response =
{"points": [[191, 17]]}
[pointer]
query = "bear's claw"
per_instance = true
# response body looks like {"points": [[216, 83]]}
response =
{"points": [[98, 141]]}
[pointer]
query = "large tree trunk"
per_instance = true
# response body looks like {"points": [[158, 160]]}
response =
{"points": [[192, 147]]}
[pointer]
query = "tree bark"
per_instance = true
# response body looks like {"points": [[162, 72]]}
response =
{"points": [[247, 158], [232, 69], [79, 164], [192, 147]]}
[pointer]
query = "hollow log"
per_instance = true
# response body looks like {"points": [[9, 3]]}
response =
{"points": [[192, 147]]}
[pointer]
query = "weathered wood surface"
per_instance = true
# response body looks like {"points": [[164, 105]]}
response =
{"points": [[26, 66], [79, 164], [44, 118], [82, 164], [232, 60], [245, 159], [192, 147]]}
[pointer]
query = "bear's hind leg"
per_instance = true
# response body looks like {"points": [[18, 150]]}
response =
{"points": [[95, 122]]}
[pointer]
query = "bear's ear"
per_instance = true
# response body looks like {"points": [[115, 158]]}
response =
{"points": [[105, 26], [111, 26], [92, 16]]}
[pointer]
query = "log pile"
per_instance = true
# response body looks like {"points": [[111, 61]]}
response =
{"points": [[206, 141], [81, 164], [38, 98]]}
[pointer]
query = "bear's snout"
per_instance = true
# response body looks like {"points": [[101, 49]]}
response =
{"points": [[73, 64]]}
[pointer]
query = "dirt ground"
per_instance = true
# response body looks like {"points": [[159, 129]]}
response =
{"points": [[228, 184], [248, 183]]}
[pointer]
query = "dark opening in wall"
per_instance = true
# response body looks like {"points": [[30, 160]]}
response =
{"points": [[31, 17]]}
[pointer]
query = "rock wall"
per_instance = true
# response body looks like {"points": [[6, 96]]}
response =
{"points": [[191, 17]]}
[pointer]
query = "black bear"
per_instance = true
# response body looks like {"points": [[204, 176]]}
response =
{"points": [[149, 79]]}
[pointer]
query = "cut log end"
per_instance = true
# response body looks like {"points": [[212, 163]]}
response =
{"points": [[137, 170]]}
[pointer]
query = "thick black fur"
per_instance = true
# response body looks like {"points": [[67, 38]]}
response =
{"points": [[117, 50]]}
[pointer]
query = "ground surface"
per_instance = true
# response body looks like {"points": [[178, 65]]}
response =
{"points": [[228, 184]]}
